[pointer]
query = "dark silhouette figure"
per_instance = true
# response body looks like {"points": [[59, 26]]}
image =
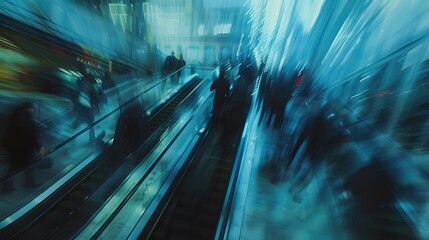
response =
{"points": [[180, 64], [221, 87], [107, 81], [249, 73], [374, 189], [131, 128], [263, 83], [323, 133], [84, 105], [281, 94], [170, 65], [20, 142]]}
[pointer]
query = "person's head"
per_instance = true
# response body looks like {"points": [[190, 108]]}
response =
{"points": [[172, 53], [181, 56]]}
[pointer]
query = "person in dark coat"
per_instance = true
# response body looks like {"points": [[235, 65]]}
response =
{"points": [[131, 127], [21, 141], [170, 64], [372, 192], [323, 133], [221, 87]]}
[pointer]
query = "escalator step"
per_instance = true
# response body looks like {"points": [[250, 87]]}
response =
{"points": [[209, 206], [96, 178], [83, 189], [221, 177], [164, 115], [69, 204], [104, 171], [39, 231], [160, 234], [89, 186], [224, 167], [214, 198], [180, 236], [79, 195], [181, 226], [156, 123], [207, 219], [56, 216], [182, 213], [203, 225], [218, 187]]}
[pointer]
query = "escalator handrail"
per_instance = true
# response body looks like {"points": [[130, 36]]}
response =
{"points": [[137, 185], [115, 89], [170, 192], [74, 136], [9, 221]]}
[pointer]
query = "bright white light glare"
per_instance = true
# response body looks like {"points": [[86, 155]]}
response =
{"points": [[222, 29], [276, 27], [309, 13], [201, 30], [118, 13], [64, 71], [365, 78], [357, 95]]}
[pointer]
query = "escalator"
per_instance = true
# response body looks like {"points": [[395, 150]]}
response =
{"points": [[193, 207], [69, 208]]}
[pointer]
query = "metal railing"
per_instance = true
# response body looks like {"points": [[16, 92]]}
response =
{"points": [[79, 133]]}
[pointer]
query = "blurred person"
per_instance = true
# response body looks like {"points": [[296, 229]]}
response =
{"points": [[107, 81], [282, 93], [249, 74], [221, 86], [158, 59], [180, 64], [244, 79], [85, 104], [263, 82], [322, 134], [170, 65], [95, 88], [304, 85], [372, 191], [20, 142], [100, 96], [131, 127]]}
